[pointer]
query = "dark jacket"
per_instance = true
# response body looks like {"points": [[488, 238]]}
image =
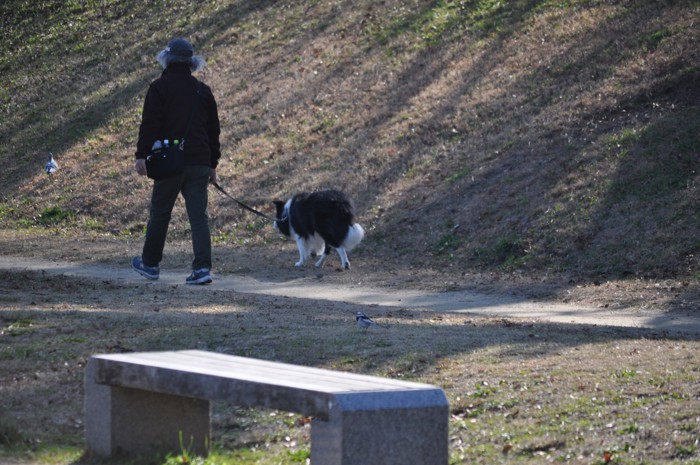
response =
{"points": [[166, 111]]}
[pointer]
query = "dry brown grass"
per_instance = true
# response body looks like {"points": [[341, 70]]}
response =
{"points": [[539, 148]]}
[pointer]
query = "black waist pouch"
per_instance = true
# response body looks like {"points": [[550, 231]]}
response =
{"points": [[166, 162]]}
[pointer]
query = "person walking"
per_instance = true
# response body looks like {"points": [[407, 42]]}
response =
{"points": [[177, 103]]}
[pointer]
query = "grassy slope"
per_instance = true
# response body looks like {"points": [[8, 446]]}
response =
{"points": [[551, 137]]}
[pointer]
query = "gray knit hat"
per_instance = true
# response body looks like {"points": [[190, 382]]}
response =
{"points": [[180, 51]]}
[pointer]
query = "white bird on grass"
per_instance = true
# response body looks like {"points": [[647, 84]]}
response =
{"points": [[363, 321], [51, 165]]}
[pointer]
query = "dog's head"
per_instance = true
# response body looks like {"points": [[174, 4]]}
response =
{"points": [[282, 217]]}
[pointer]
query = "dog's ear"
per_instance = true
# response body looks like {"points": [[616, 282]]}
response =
{"points": [[279, 205]]}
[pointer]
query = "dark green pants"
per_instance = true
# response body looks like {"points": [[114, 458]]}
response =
{"points": [[193, 186]]}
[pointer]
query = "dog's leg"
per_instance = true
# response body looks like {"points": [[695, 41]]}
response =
{"points": [[303, 253], [343, 258], [326, 252], [321, 261]]}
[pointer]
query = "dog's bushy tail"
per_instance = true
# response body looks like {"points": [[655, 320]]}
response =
{"points": [[354, 237]]}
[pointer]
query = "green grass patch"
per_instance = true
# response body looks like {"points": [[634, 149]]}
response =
{"points": [[55, 215]]}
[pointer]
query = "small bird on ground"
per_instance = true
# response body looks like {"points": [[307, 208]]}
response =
{"points": [[363, 321], [51, 165]]}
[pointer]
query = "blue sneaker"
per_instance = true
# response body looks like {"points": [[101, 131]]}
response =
{"points": [[201, 276], [148, 272]]}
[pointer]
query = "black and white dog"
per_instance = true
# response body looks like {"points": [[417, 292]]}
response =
{"points": [[317, 222]]}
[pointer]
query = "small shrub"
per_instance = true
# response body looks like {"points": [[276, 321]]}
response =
{"points": [[447, 243], [509, 249], [55, 215], [9, 432]]}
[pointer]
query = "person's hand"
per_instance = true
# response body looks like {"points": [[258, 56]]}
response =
{"points": [[140, 166], [212, 175]]}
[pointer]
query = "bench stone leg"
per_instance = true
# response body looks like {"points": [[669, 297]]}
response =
{"points": [[398, 434], [132, 422]]}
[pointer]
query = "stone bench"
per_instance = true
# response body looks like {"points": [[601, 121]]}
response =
{"points": [[140, 403]]}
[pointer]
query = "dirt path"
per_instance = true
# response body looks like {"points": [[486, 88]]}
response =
{"points": [[318, 288]]}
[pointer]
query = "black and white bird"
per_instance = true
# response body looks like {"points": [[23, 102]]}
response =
{"points": [[363, 321], [51, 165]]}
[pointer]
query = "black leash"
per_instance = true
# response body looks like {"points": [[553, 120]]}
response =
{"points": [[250, 209]]}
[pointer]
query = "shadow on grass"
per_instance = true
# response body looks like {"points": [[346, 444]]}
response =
{"points": [[99, 85]]}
